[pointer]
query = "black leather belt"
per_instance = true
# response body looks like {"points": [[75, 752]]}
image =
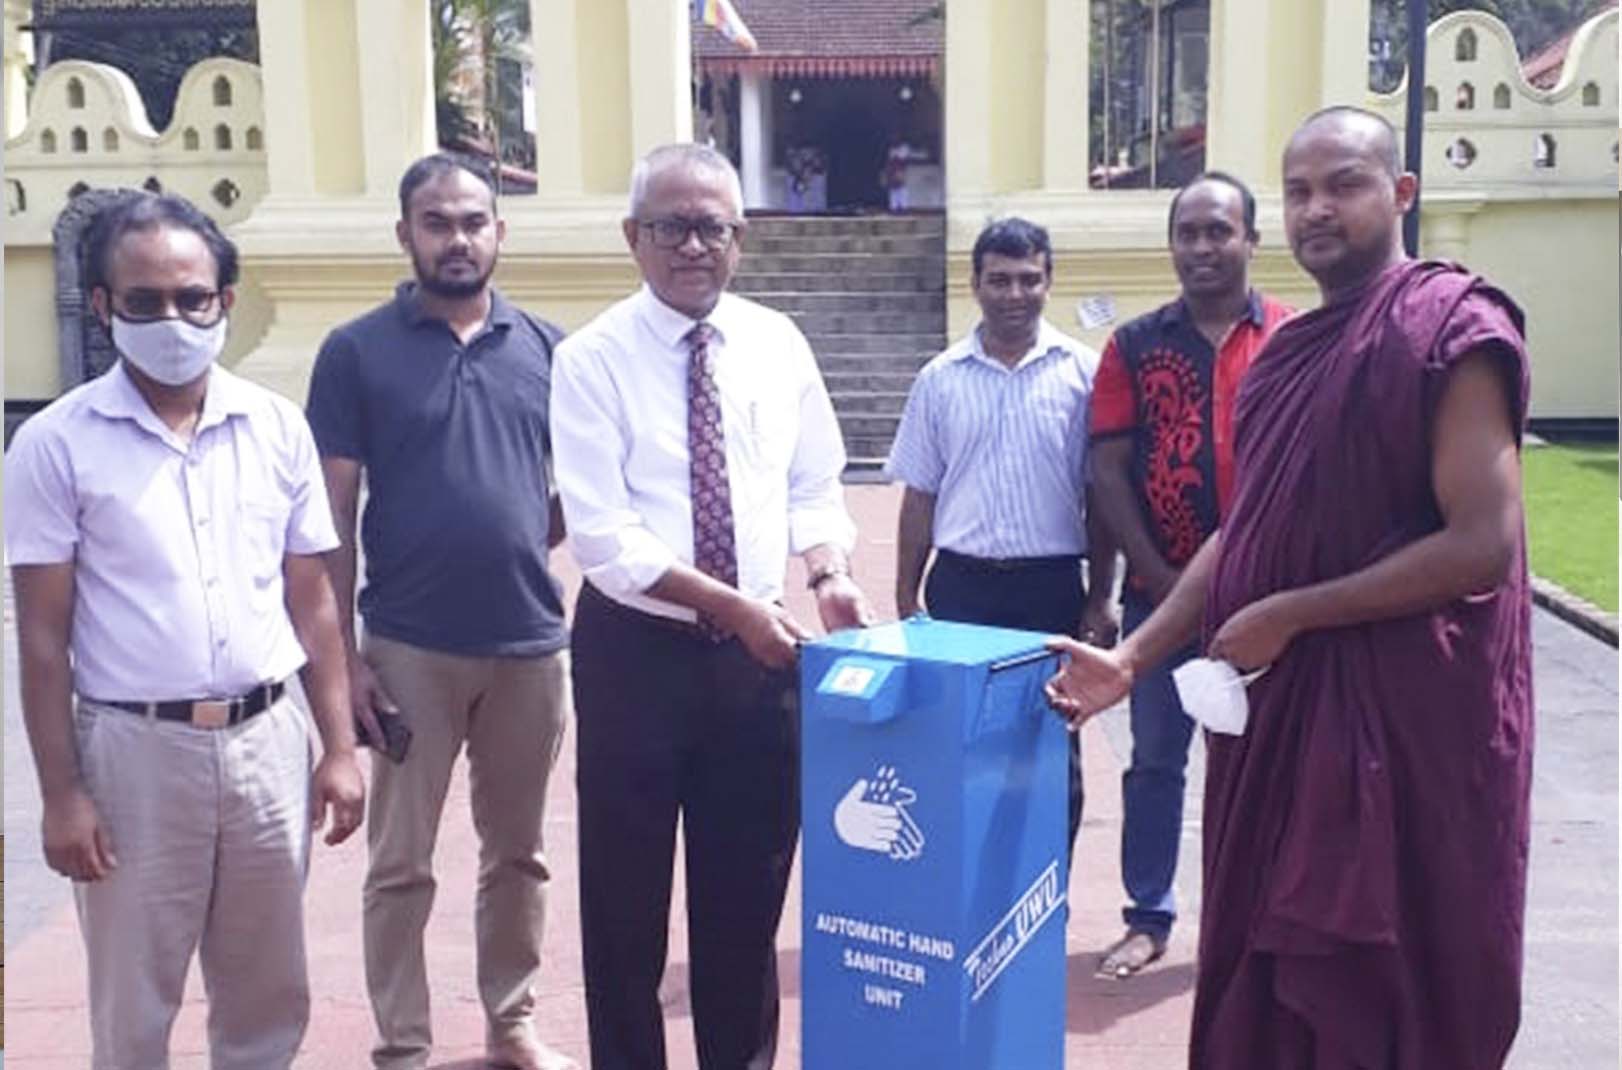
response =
{"points": [[1008, 564], [204, 712]]}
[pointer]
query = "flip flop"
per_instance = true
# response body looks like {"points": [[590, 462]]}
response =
{"points": [[1130, 954]]}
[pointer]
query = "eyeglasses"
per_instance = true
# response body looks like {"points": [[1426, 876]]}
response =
{"points": [[194, 304], [714, 234]]}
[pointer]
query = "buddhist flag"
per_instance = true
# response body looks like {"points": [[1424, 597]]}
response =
{"points": [[724, 17]]}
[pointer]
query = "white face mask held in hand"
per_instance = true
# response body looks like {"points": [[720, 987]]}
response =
{"points": [[1213, 693], [170, 351]]}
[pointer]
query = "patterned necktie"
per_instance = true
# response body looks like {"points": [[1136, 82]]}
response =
{"points": [[715, 550]]}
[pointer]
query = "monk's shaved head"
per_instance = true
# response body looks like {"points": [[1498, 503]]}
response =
{"points": [[1343, 121]]}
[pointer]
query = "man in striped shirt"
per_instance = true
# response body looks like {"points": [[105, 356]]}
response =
{"points": [[992, 449]]}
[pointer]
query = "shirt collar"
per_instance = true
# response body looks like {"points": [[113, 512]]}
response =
{"points": [[1048, 342], [1255, 313], [408, 301], [671, 327], [116, 397]]}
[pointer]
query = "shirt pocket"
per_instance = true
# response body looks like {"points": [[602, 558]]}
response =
{"points": [[261, 529]]}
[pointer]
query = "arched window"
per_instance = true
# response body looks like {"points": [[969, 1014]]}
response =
{"points": [[1431, 101], [109, 140], [75, 93], [225, 191], [1591, 95], [254, 139], [1500, 96], [1464, 48], [1461, 153], [222, 138], [47, 141], [1465, 99], [152, 185], [79, 140], [76, 189], [190, 140], [16, 197], [222, 92], [1543, 152]]}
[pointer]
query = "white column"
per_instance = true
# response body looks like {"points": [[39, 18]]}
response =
{"points": [[661, 73], [558, 148], [1065, 110], [19, 53], [397, 91], [284, 66], [755, 138]]}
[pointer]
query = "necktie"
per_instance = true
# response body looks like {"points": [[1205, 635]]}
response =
{"points": [[715, 550]]}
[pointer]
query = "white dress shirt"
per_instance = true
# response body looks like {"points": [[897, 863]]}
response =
{"points": [[1003, 450], [177, 548], [619, 446]]}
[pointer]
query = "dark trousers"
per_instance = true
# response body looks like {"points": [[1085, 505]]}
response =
{"points": [[670, 722], [1038, 595]]}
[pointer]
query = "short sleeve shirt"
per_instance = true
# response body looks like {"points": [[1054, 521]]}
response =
{"points": [[1162, 383], [178, 547], [454, 440]]}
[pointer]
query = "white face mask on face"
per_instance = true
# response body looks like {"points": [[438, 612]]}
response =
{"points": [[1213, 693], [171, 351]]}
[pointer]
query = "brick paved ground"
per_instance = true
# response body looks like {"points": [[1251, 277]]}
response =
{"points": [[1571, 1005]]}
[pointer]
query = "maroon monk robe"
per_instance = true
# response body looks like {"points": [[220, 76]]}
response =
{"points": [[1366, 839]]}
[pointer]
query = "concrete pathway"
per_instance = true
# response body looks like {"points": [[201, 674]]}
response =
{"points": [[1571, 1006]]}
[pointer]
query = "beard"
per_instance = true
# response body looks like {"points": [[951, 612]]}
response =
{"points": [[428, 278]]}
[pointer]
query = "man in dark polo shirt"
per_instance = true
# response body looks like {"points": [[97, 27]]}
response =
{"points": [[1162, 468], [439, 397]]}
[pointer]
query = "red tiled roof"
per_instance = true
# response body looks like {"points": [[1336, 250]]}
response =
{"points": [[854, 30], [1543, 69]]}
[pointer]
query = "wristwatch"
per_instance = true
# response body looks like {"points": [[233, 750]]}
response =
{"points": [[826, 573]]}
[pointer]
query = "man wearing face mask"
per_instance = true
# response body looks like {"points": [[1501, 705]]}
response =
{"points": [[992, 448], [439, 397], [165, 524], [1162, 465]]}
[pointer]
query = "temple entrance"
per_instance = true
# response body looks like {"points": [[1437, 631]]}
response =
{"points": [[835, 120]]}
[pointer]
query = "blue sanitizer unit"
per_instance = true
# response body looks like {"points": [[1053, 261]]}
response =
{"points": [[934, 819]]}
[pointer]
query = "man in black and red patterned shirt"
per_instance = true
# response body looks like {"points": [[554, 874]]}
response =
{"points": [[1162, 472]]}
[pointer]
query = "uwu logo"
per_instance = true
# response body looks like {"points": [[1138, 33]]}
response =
{"points": [[873, 816]]}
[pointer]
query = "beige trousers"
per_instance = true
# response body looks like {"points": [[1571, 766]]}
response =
{"points": [[212, 835], [509, 713]]}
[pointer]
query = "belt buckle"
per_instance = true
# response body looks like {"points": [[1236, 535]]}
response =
{"points": [[210, 713]]}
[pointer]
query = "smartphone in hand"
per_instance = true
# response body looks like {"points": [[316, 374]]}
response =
{"points": [[396, 741]]}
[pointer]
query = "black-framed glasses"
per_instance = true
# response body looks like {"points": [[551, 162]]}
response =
{"points": [[671, 233], [194, 304]]}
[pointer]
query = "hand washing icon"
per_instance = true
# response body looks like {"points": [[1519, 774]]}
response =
{"points": [[872, 816]]}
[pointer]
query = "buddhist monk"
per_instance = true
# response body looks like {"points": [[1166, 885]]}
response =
{"points": [[1366, 836]]}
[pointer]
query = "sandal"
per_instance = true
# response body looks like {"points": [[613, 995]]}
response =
{"points": [[1130, 954]]}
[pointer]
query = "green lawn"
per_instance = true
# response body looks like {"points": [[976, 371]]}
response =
{"points": [[1571, 502]]}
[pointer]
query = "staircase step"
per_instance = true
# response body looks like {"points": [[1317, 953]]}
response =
{"points": [[835, 344], [869, 425], [840, 265], [753, 282], [869, 403], [847, 244], [910, 304], [869, 323], [880, 382], [775, 226], [866, 451]]}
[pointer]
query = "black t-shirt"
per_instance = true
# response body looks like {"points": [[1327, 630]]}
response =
{"points": [[455, 443]]}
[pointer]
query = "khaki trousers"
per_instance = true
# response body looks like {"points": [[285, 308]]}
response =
{"points": [[212, 834], [509, 713]]}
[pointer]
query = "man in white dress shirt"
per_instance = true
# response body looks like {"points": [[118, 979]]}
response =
{"points": [[992, 448], [165, 525], [695, 449]]}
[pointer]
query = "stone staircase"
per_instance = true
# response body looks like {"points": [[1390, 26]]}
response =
{"points": [[870, 294]]}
